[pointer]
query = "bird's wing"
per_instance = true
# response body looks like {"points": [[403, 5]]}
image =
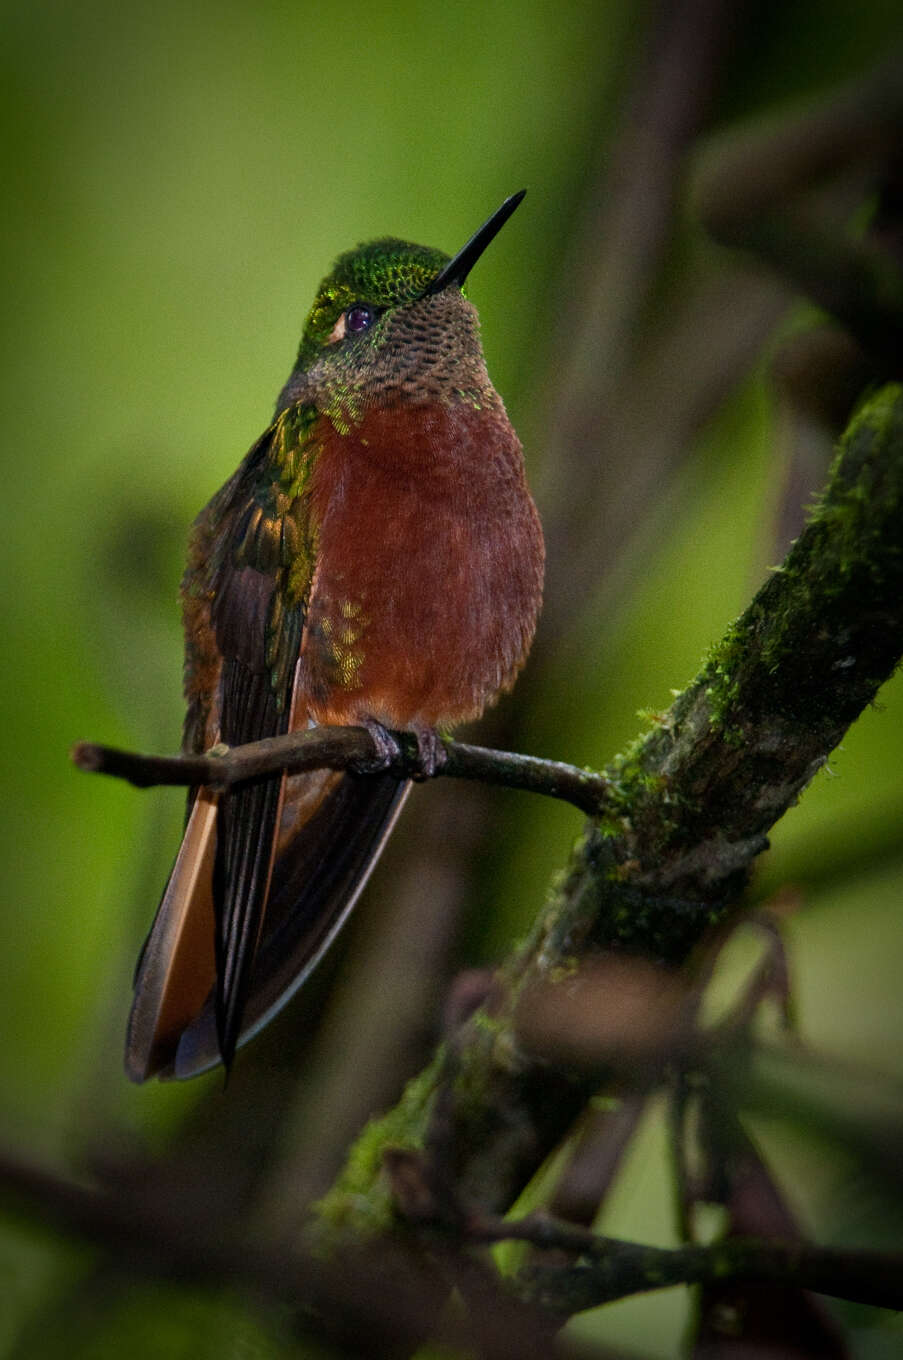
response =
{"points": [[244, 619]]}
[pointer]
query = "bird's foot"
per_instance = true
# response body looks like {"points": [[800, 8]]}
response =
{"points": [[431, 751], [386, 749]]}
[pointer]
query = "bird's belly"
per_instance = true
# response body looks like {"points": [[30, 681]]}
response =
{"points": [[426, 592], [414, 638]]}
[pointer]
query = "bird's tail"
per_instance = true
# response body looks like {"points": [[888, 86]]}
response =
{"points": [[331, 831]]}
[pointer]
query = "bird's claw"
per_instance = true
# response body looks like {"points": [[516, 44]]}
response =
{"points": [[386, 749], [431, 752]]}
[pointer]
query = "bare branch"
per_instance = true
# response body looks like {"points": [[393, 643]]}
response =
{"points": [[344, 748]]}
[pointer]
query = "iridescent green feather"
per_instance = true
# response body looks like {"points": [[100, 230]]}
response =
{"points": [[293, 451], [383, 273], [260, 519]]}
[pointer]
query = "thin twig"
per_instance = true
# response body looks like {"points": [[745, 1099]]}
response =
{"points": [[344, 748]]}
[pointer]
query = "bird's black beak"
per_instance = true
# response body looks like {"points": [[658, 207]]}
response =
{"points": [[456, 271]]}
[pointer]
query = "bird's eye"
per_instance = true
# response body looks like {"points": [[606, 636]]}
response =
{"points": [[359, 317]]}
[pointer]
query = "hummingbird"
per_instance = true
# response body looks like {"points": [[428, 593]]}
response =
{"points": [[377, 560]]}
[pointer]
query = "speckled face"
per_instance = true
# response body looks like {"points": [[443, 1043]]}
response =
{"points": [[372, 337]]}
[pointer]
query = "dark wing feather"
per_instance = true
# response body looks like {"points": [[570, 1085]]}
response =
{"points": [[317, 881], [246, 836], [242, 640], [258, 637]]}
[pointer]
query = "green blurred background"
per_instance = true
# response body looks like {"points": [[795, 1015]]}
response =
{"points": [[176, 181]]}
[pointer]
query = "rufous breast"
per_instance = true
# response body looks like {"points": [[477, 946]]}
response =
{"points": [[429, 568]]}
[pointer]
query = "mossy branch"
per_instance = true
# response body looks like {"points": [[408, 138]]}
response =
{"points": [[688, 809]]}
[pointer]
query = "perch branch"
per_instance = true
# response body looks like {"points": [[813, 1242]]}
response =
{"points": [[341, 748]]}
